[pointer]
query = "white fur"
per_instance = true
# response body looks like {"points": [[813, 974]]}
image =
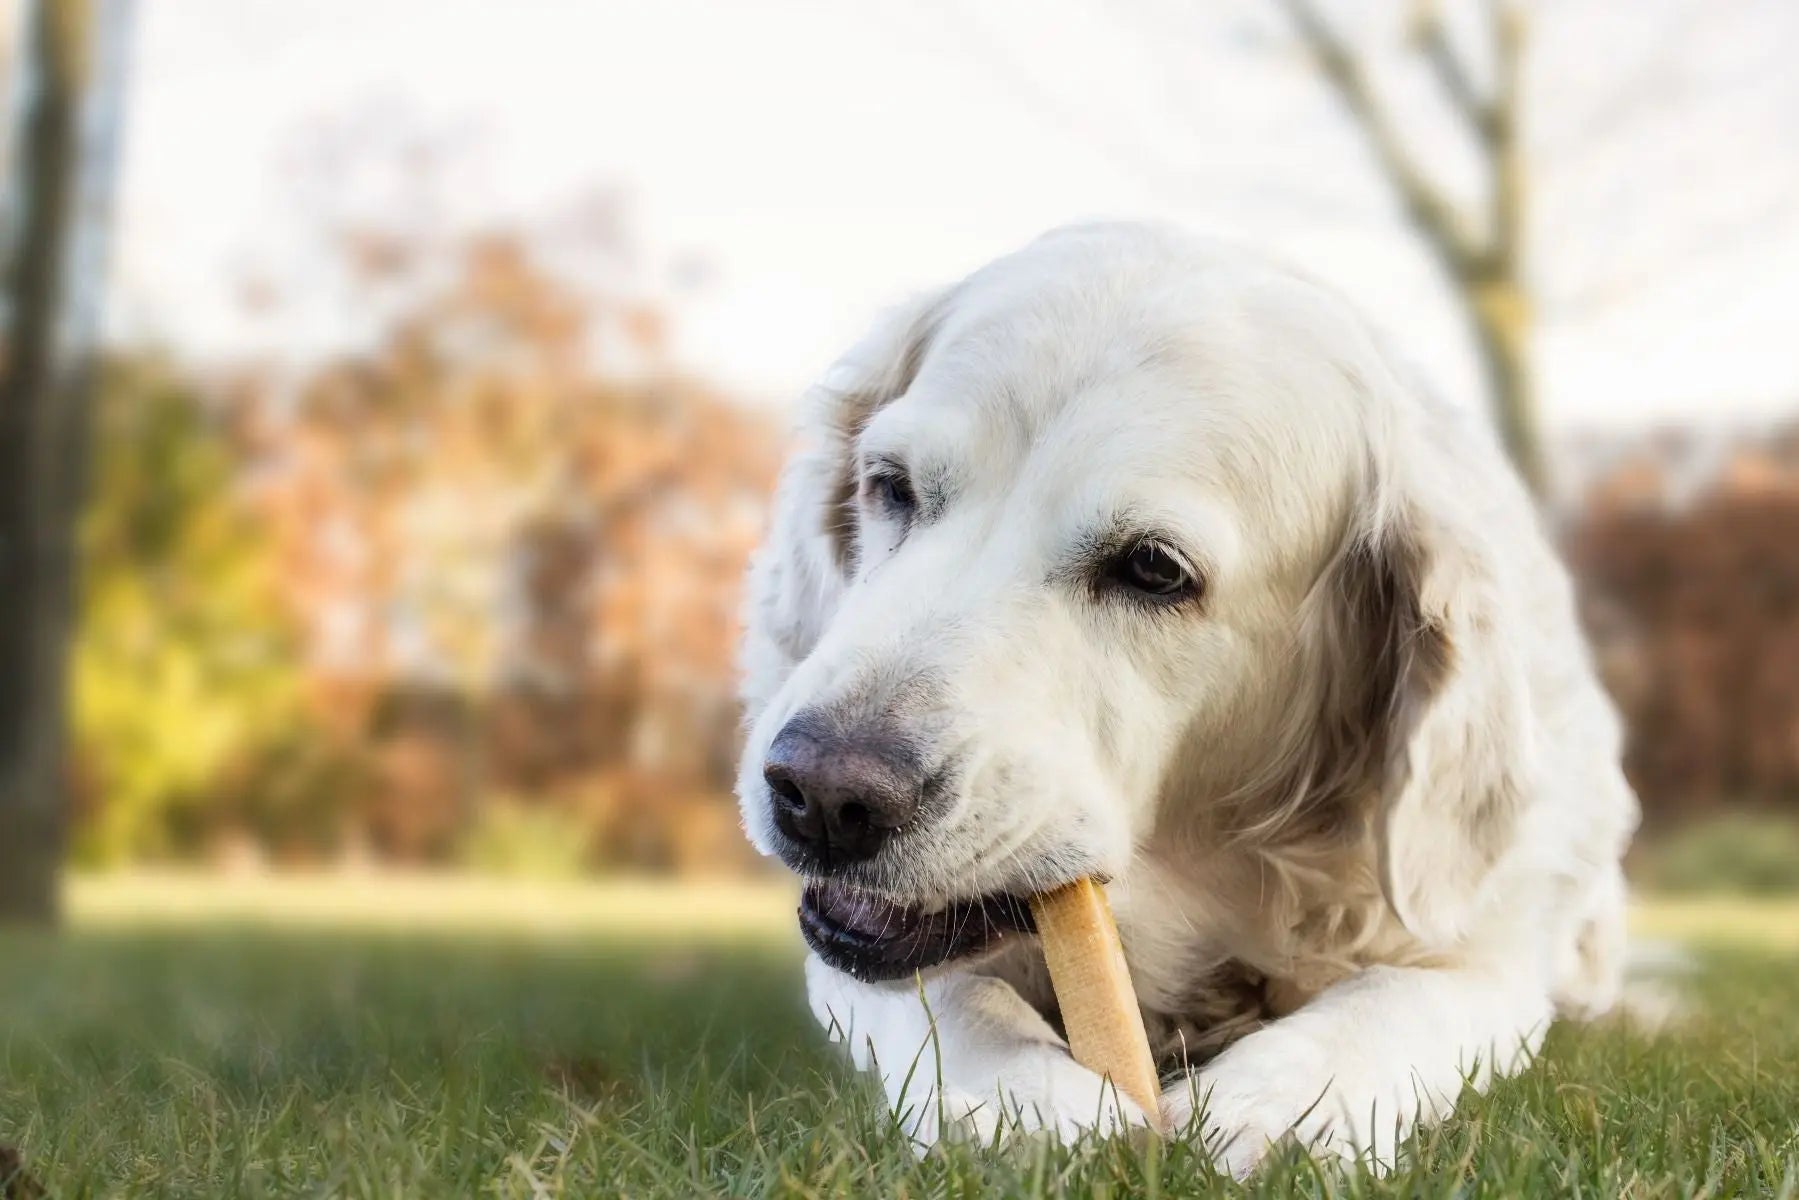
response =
{"points": [[1404, 919]]}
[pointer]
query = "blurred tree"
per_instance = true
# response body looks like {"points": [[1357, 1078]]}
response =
{"points": [[467, 590], [1522, 173], [531, 564], [348, 612], [1482, 252], [1694, 608], [188, 690], [70, 58]]}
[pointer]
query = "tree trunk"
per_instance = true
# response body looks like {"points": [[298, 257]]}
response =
{"points": [[1502, 327], [52, 272]]}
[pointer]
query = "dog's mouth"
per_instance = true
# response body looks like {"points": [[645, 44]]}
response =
{"points": [[872, 938]]}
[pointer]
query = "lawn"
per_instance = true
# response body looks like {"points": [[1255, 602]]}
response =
{"points": [[187, 1037]]}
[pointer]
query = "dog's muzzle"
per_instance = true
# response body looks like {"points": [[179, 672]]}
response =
{"points": [[840, 795]]}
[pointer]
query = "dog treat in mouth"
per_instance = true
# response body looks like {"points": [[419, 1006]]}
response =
{"points": [[1093, 990]]}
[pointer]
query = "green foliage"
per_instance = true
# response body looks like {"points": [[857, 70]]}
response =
{"points": [[526, 841], [273, 1062], [1747, 854], [184, 668]]}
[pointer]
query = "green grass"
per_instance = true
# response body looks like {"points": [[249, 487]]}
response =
{"points": [[187, 1038]]}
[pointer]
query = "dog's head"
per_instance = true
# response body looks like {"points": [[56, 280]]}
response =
{"points": [[1124, 536]]}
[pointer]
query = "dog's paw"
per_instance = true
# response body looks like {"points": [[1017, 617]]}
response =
{"points": [[1273, 1084], [1041, 1091], [963, 1057]]}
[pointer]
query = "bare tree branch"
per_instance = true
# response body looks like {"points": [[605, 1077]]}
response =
{"points": [[1443, 224], [1486, 264], [1431, 33], [1502, 135]]}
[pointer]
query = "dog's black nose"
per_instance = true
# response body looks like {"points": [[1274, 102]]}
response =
{"points": [[840, 798]]}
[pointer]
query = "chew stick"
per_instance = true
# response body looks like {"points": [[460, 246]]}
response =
{"points": [[1093, 989]]}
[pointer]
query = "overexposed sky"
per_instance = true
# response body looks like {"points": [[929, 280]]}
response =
{"points": [[824, 160]]}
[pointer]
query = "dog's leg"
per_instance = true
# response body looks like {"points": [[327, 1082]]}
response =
{"points": [[1352, 1072], [963, 1054]]}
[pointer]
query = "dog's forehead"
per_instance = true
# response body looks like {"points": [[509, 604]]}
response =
{"points": [[1242, 394]]}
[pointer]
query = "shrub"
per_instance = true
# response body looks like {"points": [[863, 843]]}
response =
{"points": [[527, 841], [185, 669]]}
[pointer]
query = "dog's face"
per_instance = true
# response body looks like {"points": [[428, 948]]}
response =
{"points": [[1066, 522]]}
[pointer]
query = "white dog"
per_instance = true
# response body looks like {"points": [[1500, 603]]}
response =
{"points": [[1134, 556]]}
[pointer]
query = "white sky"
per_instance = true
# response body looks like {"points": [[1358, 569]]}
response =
{"points": [[827, 159]]}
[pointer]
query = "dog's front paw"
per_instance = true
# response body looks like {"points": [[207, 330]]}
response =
{"points": [[964, 1057], [1273, 1084], [1040, 1090]]}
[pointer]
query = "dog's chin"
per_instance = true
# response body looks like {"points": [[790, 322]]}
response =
{"points": [[873, 937]]}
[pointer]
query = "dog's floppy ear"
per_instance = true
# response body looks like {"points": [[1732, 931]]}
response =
{"points": [[1449, 704], [809, 550]]}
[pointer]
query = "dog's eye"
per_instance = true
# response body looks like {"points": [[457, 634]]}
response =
{"points": [[893, 492], [1152, 570]]}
